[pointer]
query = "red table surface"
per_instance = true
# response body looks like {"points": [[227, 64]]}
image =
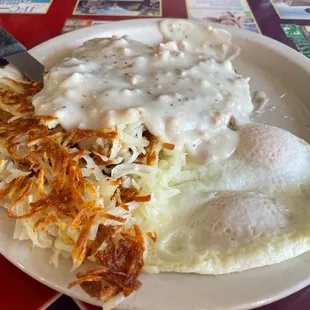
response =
{"points": [[17, 290]]}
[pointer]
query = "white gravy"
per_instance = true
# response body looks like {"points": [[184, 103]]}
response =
{"points": [[184, 89]]}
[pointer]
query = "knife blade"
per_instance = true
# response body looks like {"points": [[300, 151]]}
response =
{"points": [[16, 54]]}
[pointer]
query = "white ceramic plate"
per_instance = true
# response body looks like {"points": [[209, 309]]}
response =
{"points": [[284, 74]]}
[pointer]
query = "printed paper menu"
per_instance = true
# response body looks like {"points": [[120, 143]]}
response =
{"points": [[292, 9], [128, 7], [228, 12], [300, 35], [24, 6], [76, 23]]}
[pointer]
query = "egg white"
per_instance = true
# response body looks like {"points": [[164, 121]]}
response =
{"points": [[268, 159], [249, 210]]}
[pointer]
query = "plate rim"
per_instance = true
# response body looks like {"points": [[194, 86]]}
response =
{"points": [[284, 50]]}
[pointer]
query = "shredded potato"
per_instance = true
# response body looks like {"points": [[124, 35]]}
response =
{"points": [[80, 201]]}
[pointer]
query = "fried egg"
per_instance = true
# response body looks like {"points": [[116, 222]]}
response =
{"points": [[232, 231], [247, 211], [268, 159]]}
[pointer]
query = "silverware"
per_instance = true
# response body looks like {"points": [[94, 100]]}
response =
{"points": [[16, 54]]}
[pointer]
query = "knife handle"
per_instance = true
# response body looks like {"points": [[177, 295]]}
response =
{"points": [[9, 45]]}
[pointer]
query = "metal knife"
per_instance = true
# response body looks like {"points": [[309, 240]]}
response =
{"points": [[16, 54]]}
